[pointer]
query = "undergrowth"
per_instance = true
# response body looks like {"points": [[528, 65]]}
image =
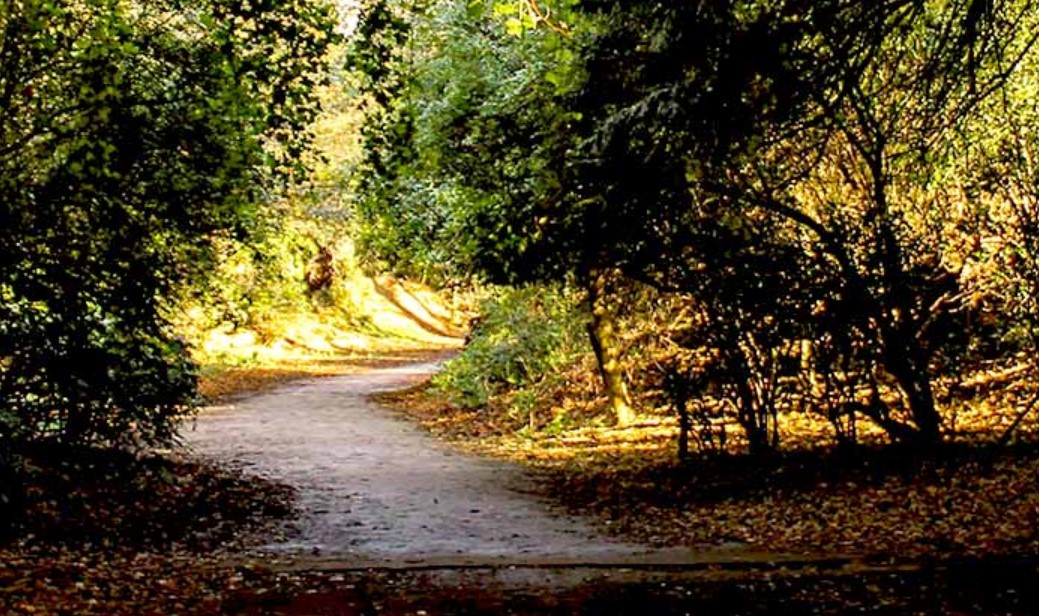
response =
{"points": [[521, 346]]}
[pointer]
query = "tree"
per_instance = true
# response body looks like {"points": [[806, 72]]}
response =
{"points": [[466, 140], [818, 128], [720, 150], [132, 135]]}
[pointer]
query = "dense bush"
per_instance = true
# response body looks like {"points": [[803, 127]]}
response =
{"points": [[132, 137], [521, 340], [100, 377]]}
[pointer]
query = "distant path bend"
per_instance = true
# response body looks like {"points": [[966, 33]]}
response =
{"points": [[374, 488]]}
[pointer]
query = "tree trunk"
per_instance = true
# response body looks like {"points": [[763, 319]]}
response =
{"points": [[907, 360], [906, 365], [683, 427], [602, 333], [750, 417]]}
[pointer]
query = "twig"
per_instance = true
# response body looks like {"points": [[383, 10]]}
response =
{"points": [[545, 16]]}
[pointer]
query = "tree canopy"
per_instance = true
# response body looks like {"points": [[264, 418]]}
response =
{"points": [[806, 174], [132, 136]]}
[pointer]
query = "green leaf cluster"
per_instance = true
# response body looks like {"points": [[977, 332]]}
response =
{"points": [[463, 139]]}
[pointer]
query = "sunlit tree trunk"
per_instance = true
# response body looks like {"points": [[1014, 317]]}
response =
{"points": [[602, 333]]}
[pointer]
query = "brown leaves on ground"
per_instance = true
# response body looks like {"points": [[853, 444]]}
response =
{"points": [[971, 498], [970, 502], [102, 498], [105, 532]]}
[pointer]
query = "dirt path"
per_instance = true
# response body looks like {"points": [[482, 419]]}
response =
{"points": [[393, 522], [376, 489]]}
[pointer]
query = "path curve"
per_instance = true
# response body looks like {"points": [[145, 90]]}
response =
{"points": [[375, 488]]}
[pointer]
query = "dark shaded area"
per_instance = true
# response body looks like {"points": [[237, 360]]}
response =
{"points": [[716, 478], [81, 497], [966, 588]]}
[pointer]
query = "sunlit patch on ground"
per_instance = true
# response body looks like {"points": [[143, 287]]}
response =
{"points": [[394, 322]]}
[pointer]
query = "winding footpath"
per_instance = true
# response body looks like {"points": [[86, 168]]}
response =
{"points": [[401, 524], [376, 489]]}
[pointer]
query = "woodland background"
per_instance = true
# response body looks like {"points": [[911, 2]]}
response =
{"points": [[708, 248]]}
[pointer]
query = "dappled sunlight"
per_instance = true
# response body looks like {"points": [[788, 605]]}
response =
{"points": [[648, 437], [717, 275], [384, 327]]}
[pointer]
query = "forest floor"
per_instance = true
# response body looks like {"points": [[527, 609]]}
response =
{"points": [[291, 528], [970, 499]]}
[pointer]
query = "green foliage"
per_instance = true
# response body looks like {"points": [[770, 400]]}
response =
{"points": [[262, 278], [99, 377], [822, 178], [132, 137], [522, 339], [464, 137], [1002, 181]]}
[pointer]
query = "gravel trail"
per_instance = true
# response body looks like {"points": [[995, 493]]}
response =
{"points": [[375, 488]]}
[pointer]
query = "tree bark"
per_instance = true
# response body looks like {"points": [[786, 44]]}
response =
{"points": [[907, 363], [602, 334]]}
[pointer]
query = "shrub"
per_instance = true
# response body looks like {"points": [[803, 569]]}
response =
{"points": [[83, 375], [522, 339]]}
